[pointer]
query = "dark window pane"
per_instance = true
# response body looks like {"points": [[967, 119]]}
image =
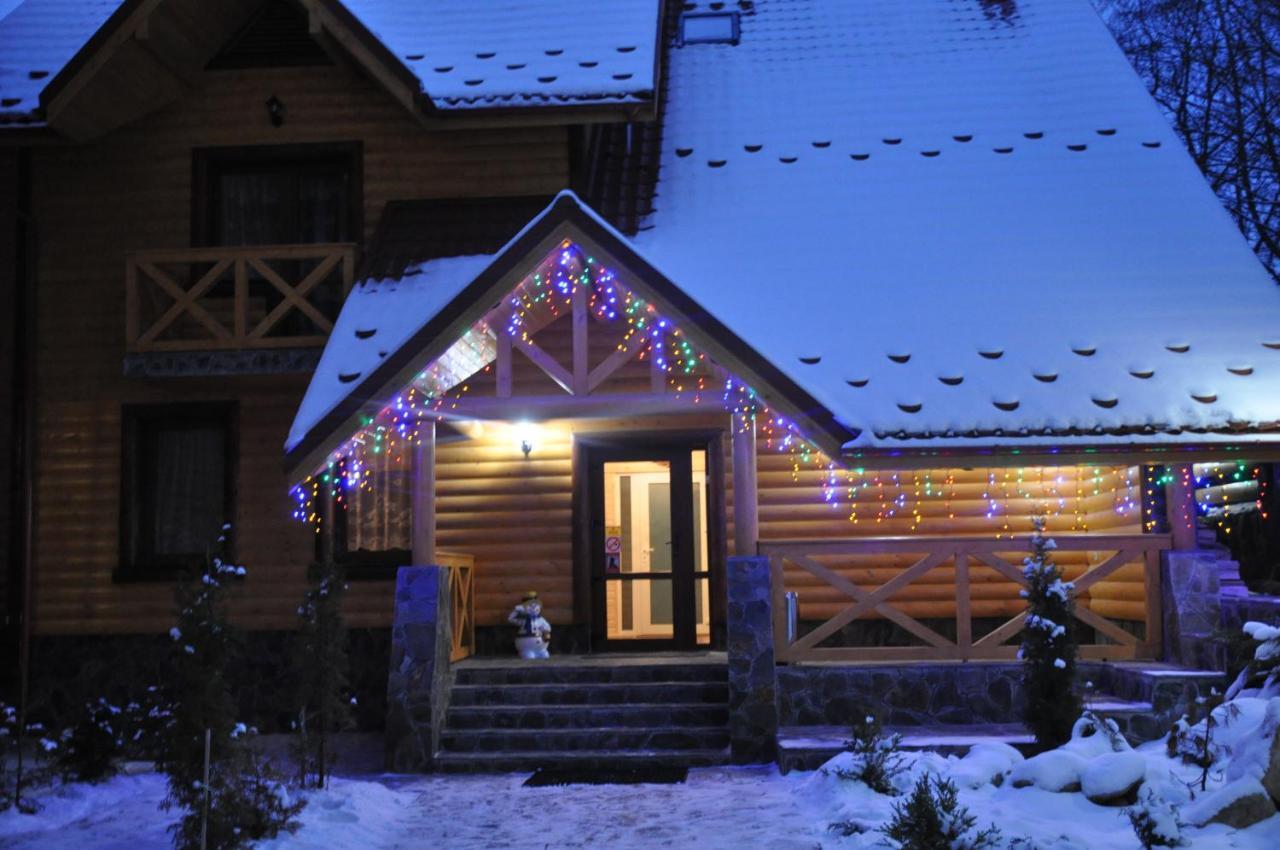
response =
{"points": [[255, 208], [322, 207], [188, 492]]}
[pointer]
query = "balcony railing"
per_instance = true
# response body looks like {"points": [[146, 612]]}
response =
{"points": [[951, 581], [261, 296]]}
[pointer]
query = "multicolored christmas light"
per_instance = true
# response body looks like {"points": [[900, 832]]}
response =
{"points": [[547, 294]]}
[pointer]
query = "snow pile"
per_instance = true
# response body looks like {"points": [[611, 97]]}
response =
{"points": [[1079, 795], [1261, 678]]}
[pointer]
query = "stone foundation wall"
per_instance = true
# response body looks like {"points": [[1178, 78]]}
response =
{"points": [[753, 704], [1192, 608], [419, 678]]}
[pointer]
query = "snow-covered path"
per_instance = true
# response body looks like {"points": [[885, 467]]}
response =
{"points": [[716, 808], [732, 808]]}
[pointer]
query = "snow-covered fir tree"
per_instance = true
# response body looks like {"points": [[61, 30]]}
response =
{"points": [[321, 665], [242, 801], [1050, 704]]}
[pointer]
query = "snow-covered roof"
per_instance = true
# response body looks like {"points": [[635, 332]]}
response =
{"points": [[520, 52], [465, 54], [959, 220], [37, 38], [955, 222], [378, 317]]}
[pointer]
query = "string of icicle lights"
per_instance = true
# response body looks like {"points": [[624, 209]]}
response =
{"points": [[546, 294]]}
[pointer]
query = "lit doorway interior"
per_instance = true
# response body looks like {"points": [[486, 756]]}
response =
{"points": [[656, 590]]}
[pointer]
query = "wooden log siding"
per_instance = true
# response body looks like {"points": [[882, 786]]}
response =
{"points": [[792, 508], [131, 191]]}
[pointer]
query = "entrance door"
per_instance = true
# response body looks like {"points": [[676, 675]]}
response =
{"points": [[649, 550]]}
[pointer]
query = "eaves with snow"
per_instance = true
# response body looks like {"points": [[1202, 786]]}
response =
{"points": [[461, 54], [953, 223]]}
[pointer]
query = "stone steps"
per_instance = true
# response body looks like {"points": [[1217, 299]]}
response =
{"points": [[578, 716], [586, 713], [501, 762], [613, 738], [537, 673], [590, 693]]}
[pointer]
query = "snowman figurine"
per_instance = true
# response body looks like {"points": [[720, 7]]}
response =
{"points": [[534, 633]]}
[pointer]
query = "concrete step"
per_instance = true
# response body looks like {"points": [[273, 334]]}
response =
{"points": [[595, 694], [580, 716], [619, 739], [535, 673], [508, 762], [809, 747]]}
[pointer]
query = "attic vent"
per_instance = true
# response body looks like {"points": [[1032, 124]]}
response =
{"points": [[709, 28], [276, 36]]}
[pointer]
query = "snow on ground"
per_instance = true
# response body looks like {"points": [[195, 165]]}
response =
{"points": [[731, 807]]}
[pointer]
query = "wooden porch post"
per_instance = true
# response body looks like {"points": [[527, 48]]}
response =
{"points": [[1180, 503], [424, 495], [746, 529]]}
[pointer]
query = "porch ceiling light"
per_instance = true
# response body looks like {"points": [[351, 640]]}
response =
{"points": [[527, 436]]}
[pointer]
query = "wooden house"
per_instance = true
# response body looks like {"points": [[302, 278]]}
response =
{"points": [[588, 304]]}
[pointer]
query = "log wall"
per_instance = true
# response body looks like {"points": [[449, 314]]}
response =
{"points": [[131, 190]]}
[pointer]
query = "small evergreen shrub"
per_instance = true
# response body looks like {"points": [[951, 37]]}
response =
{"points": [[878, 759], [322, 667], [243, 800], [1050, 704], [106, 733], [931, 818], [26, 760], [1155, 822]]}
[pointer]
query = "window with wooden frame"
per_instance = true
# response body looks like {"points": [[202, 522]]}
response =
{"points": [[277, 194], [177, 486], [374, 534]]}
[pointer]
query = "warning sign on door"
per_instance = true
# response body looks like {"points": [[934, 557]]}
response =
{"points": [[613, 549]]}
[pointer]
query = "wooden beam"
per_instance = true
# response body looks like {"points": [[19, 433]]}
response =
{"points": [[424, 495], [545, 362], [581, 367], [964, 616], [746, 521], [502, 363], [1180, 502]]}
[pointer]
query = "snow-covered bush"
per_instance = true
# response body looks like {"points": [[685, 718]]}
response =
{"points": [[242, 801], [26, 760], [105, 733], [320, 662], [1155, 821], [877, 760], [1050, 704], [1261, 677], [931, 818]]}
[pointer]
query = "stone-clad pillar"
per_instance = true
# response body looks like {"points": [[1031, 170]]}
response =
{"points": [[753, 706], [418, 680]]}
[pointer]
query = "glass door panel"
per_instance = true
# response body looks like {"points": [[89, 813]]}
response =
{"points": [[650, 548]]}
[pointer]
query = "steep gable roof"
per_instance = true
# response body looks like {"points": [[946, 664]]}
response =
{"points": [[963, 222], [37, 39], [955, 229], [389, 330], [436, 57]]}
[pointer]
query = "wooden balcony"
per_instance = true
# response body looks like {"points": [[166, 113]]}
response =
{"points": [[956, 580], [260, 296]]}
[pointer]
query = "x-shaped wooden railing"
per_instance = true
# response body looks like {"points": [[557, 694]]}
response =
{"points": [[961, 553], [462, 603], [220, 301]]}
